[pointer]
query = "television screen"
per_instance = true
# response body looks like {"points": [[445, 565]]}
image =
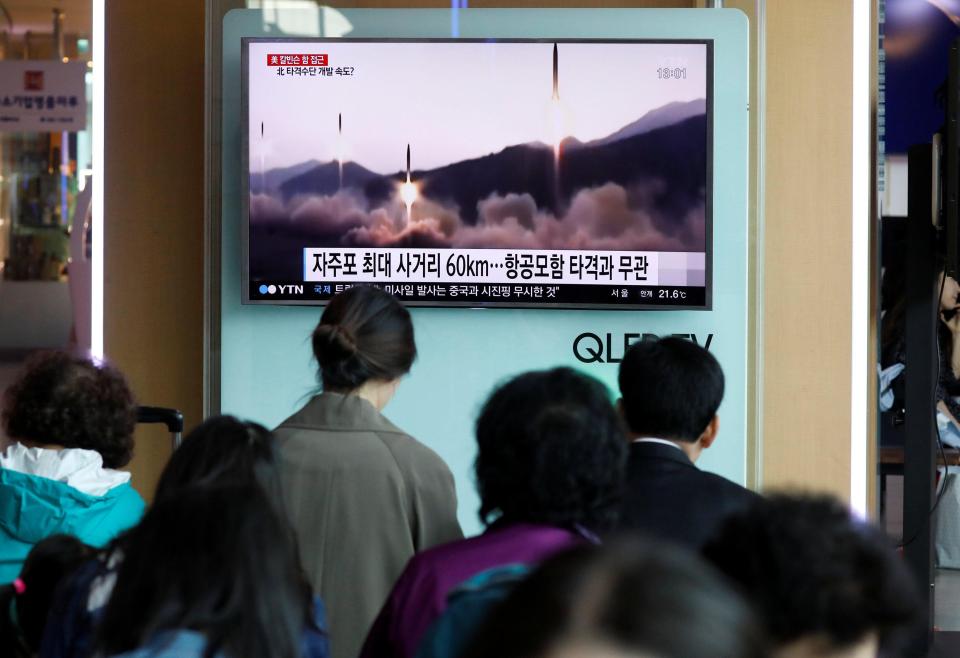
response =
{"points": [[573, 174]]}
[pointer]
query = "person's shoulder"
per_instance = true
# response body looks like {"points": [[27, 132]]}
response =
{"points": [[127, 501], [119, 510], [450, 552], [424, 570], [725, 487], [126, 494], [411, 453]]}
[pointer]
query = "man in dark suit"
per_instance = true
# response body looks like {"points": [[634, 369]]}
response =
{"points": [[670, 391]]}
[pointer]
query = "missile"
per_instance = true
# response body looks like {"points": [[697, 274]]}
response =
{"points": [[408, 191], [340, 150], [261, 129], [556, 74]]}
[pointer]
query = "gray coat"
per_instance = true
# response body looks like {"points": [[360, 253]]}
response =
{"points": [[363, 497]]}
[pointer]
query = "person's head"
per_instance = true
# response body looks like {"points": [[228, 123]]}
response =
{"points": [[216, 560], [551, 450], [623, 599], [823, 583], [50, 562], [223, 450], [70, 402], [671, 388], [365, 336], [949, 291]]}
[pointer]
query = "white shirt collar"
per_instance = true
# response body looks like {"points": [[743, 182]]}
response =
{"points": [[651, 439]]}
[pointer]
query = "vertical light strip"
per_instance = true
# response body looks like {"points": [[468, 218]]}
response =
{"points": [[859, 260], [96, 256], [64, 177], [760, 111]]}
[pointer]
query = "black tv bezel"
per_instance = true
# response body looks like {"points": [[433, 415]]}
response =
{"points": [[245, 174]]}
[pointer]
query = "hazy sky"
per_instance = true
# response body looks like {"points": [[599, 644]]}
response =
{"points": [[453, 101]]}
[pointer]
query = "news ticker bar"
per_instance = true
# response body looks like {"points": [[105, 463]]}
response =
{"points": [[481, 294], [503, 266]]}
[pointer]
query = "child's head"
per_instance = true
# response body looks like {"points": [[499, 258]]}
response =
{"points": [[223, 450], [49, 563]]}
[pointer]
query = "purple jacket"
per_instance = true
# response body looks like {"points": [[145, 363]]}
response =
{"points": [[420, 595]]}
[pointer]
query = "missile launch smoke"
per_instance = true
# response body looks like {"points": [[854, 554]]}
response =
{"points": [[609, 217]]}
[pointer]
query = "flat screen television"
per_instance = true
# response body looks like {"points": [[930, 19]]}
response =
{"points": [[522, 173]]}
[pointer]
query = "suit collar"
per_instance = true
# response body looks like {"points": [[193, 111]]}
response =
{"points": [[653, 439], [656, 450]]}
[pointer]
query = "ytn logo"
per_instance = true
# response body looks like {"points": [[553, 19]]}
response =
{"points": [[283, 290]]}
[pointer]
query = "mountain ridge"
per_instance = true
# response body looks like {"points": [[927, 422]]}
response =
{"points": [[655, 119]]}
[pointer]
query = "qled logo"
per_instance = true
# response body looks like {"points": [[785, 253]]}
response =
{"points": [[589, 347]]}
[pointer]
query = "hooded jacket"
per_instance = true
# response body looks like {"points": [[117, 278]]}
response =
{"points": [[46, 492]]}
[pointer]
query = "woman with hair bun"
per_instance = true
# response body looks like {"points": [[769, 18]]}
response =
{"points": [[363, 495]]}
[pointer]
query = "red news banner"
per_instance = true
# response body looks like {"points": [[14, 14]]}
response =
{"points": [[304, 59]]}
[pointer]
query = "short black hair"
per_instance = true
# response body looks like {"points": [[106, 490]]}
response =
{"points": [[224, 450], [671, 388], [551, 449], [812, 569], [363, 334], [633, 596], [70, 401]]}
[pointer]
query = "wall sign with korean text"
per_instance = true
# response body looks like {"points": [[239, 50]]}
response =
{"points": [[42, 96]]}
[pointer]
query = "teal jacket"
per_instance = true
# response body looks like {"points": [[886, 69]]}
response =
{"points": [[33, 508]]}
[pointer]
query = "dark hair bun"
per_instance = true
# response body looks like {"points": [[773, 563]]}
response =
{"points": [[364, 334], [336, 351], [336, 340]]}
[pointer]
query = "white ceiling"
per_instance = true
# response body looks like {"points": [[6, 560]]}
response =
{"points": [[37, 15]]}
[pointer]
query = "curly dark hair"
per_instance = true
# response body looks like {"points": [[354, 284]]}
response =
{"points": [[551, 449], [811, 569], [69, 401]]}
